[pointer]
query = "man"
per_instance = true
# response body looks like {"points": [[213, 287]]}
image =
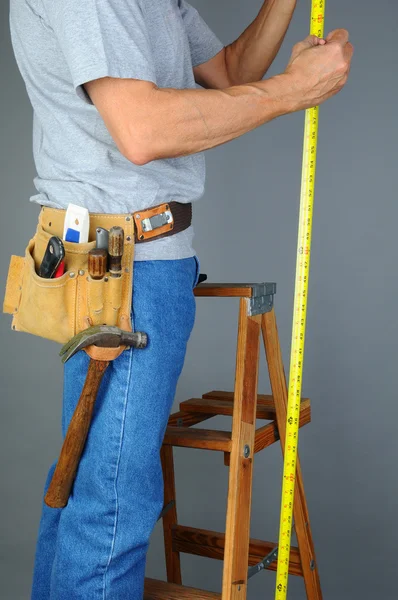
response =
{"points": [[120, 126]]}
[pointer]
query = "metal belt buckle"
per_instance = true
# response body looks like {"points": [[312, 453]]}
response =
{"points": [[153, 222]]}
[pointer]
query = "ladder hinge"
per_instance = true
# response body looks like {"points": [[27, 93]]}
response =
{"points": [[262, 300]]}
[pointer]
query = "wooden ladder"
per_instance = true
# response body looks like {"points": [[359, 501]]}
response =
{"points": [[242, 555]]}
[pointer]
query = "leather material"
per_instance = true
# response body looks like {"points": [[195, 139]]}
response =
{"points": [[182, 215], [13, 285], [58, 309]]}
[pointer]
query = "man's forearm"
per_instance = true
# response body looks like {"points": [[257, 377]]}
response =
{"points": [[148, 123], [251, 55], [176, 122]]}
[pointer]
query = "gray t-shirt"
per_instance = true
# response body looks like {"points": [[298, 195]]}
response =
{"points": [[61, 44]]}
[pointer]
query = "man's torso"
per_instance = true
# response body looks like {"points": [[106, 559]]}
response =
{"points": [[75, 156]]}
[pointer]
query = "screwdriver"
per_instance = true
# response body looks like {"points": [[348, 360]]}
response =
{"points": [[97, 264], [115, 251]]}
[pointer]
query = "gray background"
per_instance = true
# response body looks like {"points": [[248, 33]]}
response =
{"points": [[349, 452]]}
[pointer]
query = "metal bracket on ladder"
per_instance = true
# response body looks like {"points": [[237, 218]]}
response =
{"points": [[166, 509], [262, 300], [266, 562]]}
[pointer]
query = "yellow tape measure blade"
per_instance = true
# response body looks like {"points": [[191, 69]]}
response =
{"points": [[299, 326]]}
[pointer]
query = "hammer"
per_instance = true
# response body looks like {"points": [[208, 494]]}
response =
{"points": [[103, 336]]}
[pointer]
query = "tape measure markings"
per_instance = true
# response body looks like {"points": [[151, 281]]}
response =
{"points": [[299, 324]]}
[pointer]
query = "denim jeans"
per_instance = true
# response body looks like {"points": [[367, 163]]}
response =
{"points": [[95, 548]]}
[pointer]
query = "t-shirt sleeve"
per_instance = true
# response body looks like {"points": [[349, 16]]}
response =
{"points": [[203, 42], [102, 38]]}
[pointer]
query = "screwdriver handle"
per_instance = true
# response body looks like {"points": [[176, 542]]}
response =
{"points": [[97, 263], [115, 250]]}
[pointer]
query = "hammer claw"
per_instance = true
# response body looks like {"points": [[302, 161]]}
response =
{"points": [[77, 338], [104, 336]]}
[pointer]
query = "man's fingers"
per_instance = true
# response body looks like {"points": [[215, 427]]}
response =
{"points": [[313, 40], [309, 42], [341, 36]]}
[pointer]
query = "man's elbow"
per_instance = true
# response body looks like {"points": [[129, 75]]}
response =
{"points": [[139, 152], [145, 143], [139, 157]]}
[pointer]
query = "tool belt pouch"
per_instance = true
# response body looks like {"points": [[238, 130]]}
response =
{"points": [[58, 309]]}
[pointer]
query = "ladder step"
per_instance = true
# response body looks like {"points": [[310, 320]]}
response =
{"points": [[161, 590], [214, 439], [222, 403], [234, 290], [206, 439], [210, 544], [269, 434]]}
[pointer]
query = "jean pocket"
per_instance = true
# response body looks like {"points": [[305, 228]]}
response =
{"points": [[197, 272]]}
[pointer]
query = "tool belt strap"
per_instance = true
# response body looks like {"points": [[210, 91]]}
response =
{"points": [[151, 223]]}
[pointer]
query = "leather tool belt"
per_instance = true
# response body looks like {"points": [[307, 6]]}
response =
{"points": [[60, 308]]}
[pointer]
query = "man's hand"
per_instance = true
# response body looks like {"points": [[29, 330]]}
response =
{"points": [[318, 69]]}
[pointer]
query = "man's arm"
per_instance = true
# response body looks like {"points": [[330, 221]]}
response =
{"points": [[149, 123], [249, 57]]}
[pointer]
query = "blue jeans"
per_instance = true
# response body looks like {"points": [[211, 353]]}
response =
{"points": [[95, 548]]}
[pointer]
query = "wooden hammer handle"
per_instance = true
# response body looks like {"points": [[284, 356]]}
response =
{"points": [[65, 472]]}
